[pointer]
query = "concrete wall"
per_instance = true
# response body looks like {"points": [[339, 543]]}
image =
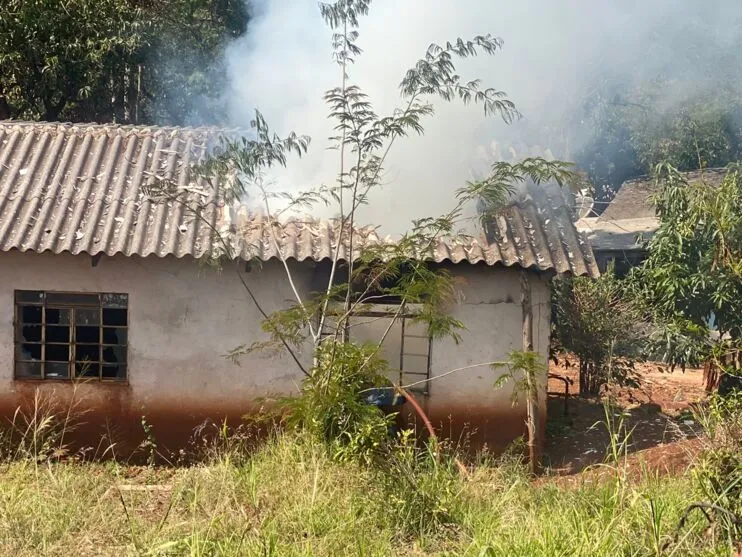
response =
{"points": [[184, 317], [490, 307]]}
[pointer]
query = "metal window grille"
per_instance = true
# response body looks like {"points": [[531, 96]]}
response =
{"points": [[71, 335]]}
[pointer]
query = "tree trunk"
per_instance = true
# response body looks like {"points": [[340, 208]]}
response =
{"points": [[532, 415], [4, 108], [589, 380], [716, 379], [710, 376], [583, 377]]}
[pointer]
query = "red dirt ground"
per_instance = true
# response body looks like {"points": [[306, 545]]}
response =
{"points": [[664, 437]]}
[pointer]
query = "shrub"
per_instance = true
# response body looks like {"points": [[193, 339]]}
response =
{"points": [[596, 320], [332, 405]]}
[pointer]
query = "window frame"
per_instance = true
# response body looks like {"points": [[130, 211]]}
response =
{"points": [[72, 307]]}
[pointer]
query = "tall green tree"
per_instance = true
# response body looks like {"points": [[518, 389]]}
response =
{"points": [[692, 279], [126, 61], [378, 273], [631, 133], [184, 73]]}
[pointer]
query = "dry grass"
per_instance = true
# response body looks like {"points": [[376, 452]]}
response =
{"points": [[288, 498]]}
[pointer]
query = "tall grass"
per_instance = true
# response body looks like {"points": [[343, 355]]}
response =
{"points": [[289, 496]]}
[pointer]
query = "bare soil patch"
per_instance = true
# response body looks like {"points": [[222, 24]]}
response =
{"points": [[663, 434]]}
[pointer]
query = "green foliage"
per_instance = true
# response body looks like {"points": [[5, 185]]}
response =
{"points": [[332, 408], [694, 268], [524, 369], [698, 134], [149, 443], [398, 272], [366, 273], [686, 110], [288, 497], [719, 470], [494, 191], [420, 491], [115, 60], [601, 325], [183, 72], [633, 132]]}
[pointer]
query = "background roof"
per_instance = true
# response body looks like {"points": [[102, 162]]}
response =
{"points": [[621, 235], [633, 199]]}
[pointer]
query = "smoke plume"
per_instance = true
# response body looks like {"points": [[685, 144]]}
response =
{"points": [[554, 54]]}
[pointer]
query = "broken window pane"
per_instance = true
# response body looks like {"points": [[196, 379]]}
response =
{"points": [[87, 352], [114, 354], [114, 317], [87, 369], [56, 334], [57, 316], [114, 372], [57, 352], [30, 314], [56, 370], [114, 336], [87, 335], [68, 338], [30, 333], [28, 370], [27, 352]]}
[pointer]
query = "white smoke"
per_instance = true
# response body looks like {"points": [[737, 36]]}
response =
{"points": [[552, 52]]}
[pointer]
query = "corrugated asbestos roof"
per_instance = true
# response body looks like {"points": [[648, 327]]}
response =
{"points": [[618, 235], [82, 189], [538, 230], [633, 200]]}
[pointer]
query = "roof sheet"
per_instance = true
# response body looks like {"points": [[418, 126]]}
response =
{"points": [[620, 235], [83, 189], [633, 198]]}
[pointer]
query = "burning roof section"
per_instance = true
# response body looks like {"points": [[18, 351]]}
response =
{"points": [[85, 189]]}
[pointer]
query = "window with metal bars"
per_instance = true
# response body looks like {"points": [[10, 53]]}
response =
{"points": [[69, 335]]}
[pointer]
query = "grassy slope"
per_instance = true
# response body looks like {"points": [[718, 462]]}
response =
{"points": [[288, 499]]}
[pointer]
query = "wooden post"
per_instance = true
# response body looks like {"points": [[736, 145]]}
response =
{"points": [[532, 414]]}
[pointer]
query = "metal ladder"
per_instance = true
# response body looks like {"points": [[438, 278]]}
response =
{"points": [[409, 377]]}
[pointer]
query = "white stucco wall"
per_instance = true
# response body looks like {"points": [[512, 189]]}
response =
{"points": [[184, 317], [489, 305]]}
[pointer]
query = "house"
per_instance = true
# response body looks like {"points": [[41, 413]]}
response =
{"points": [[106, 308], [619, 234]]}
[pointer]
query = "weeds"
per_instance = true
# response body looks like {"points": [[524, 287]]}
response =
{"points": [[38, 432], [418, 488], [719, 470], [331, 406], [291, 496]]}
